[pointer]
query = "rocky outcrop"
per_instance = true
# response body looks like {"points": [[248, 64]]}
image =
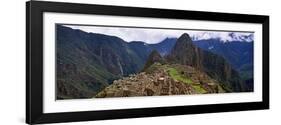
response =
{"points": [[160, 81], [152, 58], [186, 53]]}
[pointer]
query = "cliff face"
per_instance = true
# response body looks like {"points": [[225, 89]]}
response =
{"points": [[186, 53]]}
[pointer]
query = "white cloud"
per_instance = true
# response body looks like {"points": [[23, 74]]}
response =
{"points": [[157, 35]]}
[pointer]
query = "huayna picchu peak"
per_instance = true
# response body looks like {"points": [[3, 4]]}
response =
{"points": [[186, 53]]}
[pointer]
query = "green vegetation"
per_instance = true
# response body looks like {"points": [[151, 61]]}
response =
{"points": [[177, 76], [246, 71], [199, 89], [173, 72], [152, 68]]}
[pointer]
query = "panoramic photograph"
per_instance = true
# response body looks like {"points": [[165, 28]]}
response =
{"points": [[117, 61]]}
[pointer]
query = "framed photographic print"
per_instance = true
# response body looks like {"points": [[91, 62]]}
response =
{"points": [[95, 62]]}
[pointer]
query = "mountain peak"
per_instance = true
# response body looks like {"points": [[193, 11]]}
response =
{"points": [[185, 37], [183, 43], [153, 57], [186, 53]]}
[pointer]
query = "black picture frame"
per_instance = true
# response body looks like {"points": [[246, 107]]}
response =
{"points": [[34, 61]]}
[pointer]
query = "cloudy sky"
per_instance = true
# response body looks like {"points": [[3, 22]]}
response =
{"points": [[157, 35]]}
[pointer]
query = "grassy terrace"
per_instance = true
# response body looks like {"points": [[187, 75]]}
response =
{"points": [[177, 76]]}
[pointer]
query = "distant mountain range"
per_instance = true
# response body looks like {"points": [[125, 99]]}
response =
{"points": [[89, 62], [238, 53], [224, 36]]}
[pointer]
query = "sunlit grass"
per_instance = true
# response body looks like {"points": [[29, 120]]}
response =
{"points": [[199, 89], [177, 76]]}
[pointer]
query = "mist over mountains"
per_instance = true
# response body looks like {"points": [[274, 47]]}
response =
{"points": [[157, 35], [224, 36], [87, 63]]}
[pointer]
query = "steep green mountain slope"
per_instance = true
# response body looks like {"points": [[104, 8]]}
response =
{"points": [[186, 53], [87, 62], [238, 53]]}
